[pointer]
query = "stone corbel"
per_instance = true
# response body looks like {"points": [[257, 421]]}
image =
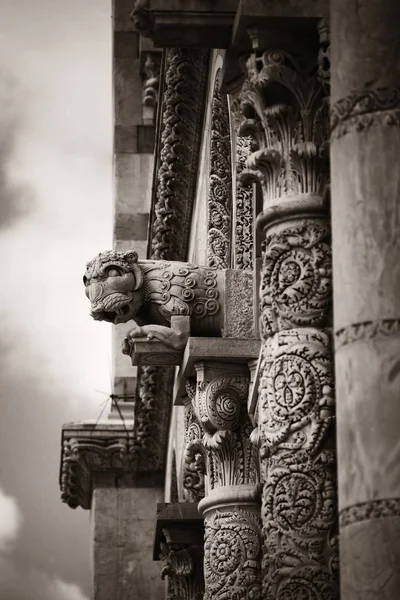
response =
{"points": [[179, 546]]}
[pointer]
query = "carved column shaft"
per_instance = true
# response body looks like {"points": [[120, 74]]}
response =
{"points": [[284, 102], [232, 547], [365, 147]]}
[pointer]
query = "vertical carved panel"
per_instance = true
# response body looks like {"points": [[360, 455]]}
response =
{"points": [[244, 209], [193, 456], [220, 185]]}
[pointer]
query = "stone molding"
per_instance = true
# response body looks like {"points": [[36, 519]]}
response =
{"points": [[367, 330], [88, 448], [365, 108], [220, 184], [373, 509], [182, 100]]}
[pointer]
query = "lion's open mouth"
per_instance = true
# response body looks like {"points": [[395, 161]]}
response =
{"points": [[112, 307]]}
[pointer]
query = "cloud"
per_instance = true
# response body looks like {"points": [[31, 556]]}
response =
{"points": [[67, 591], [10, 521], [24, 583]]}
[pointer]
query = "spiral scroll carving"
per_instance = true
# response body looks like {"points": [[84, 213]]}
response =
{"points": [[296, 286]]}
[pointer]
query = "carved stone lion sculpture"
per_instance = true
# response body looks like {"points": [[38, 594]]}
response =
{"points": [[122, 288]]}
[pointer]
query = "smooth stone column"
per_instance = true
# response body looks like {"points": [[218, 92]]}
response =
{"points": [[365, 148]]}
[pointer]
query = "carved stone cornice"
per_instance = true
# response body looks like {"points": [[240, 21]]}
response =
{"points": [[88, 448], [220, 184]]}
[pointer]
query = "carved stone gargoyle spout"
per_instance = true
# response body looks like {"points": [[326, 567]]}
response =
{"points": [[121, 288]]}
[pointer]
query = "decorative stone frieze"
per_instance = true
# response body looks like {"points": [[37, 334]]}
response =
{"points": [[284, 102], [220, 184]]}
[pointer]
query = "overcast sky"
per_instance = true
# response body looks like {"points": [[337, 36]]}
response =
{"points": [[55, 214]]}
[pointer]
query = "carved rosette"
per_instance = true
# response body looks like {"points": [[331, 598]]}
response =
{"points": [[232, 548], [232, 552]]}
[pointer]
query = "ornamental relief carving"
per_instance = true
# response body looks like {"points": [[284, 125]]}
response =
{"points": [[194, 460], [220, 185], [244, 210], [296, 284], [221, 409], [298, 464], [288, 104], [296, 392], [232, 552]]}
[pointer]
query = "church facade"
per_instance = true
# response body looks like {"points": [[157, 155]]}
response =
{"points": [[251, 451]]}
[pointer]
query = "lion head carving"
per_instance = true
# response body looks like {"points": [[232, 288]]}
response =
{"points": [[114, 286]]}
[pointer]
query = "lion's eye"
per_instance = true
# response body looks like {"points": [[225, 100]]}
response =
{"points": [[113, 272]]}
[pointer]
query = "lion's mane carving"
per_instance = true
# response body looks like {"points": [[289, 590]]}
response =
{"points": [[122, 288]]}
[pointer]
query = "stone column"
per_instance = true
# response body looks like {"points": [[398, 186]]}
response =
{"points": [[284, 102], [365, 148], [232, 545]]}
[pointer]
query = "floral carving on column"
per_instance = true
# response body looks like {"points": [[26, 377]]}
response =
{"points": [[232, 549], [220, 184], [284, 103]]}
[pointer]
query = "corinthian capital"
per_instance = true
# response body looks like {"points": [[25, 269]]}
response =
{"points": [[221, 407]]}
